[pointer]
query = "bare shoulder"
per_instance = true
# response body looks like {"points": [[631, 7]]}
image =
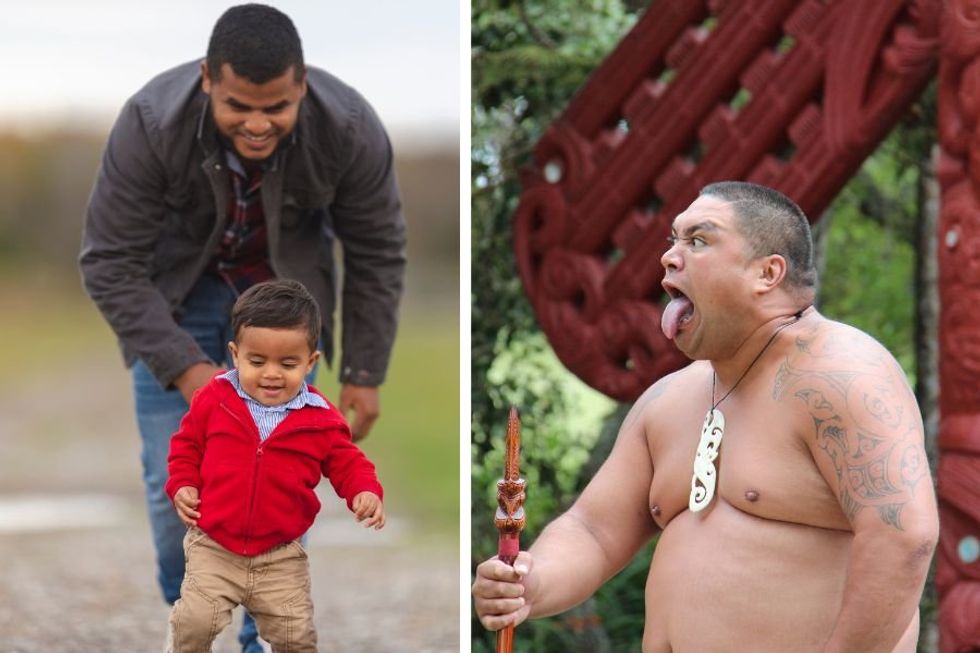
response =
{"points": [[661, 396], [838, 354], [831, 363], [857, 414], [831, 342]]}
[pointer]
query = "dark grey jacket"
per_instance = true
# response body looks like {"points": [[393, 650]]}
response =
{"points": [[151, 227]]}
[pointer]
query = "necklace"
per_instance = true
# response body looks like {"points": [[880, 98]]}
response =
{"points": [[704, 479]]}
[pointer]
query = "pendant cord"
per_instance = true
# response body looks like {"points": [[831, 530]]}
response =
{"points": [[714, 377]]}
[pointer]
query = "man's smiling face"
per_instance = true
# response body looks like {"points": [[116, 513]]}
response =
{"points": [[254, 117]]}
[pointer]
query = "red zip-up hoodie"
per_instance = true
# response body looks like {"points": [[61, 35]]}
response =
{"points": [[256, 495]]}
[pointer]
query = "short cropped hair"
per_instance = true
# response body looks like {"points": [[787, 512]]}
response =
{"points": [[259, 42], [771, 224], [279, 304]]}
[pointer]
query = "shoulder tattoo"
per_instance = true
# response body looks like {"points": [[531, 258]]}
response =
{"points": [[864, 423]]}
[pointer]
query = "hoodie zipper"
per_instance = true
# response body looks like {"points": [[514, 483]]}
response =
{"points": [[255, 468], [255, 477]]}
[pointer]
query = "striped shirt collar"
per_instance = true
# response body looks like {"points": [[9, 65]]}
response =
{"points": [[305, 397]]}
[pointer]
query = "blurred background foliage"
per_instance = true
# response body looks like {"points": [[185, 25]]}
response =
{"points": [[47, 322], [528, 59]]}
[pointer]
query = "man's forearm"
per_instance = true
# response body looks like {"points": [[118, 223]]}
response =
{"points": [[569, 565], [884, 584], [139, 315]]}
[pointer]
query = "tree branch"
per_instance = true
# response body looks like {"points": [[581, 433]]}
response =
{"points": [[540, 37]]}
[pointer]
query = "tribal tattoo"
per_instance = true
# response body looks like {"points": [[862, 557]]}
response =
{"points": [[863, 424]]}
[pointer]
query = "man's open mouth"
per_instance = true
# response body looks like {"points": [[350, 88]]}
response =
{"points": [[677, 313]]}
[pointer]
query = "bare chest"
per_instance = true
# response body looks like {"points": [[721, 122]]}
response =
{"points": [[761, 465]]}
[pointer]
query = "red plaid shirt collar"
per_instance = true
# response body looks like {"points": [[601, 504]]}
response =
{"points": [[242, 256]]}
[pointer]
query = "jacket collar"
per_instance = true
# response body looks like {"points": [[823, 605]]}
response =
{"points": [[305, 418]]}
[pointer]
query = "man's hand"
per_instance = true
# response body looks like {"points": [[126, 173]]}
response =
{"points": [[369, 509], [364, 400], [499, 592], [194, 377], [186, 503]]}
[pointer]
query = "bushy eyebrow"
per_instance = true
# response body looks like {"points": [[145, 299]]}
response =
{"points": [[707, 225], [278, 106]]}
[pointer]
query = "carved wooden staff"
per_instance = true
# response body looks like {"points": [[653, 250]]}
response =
{"points": [[510, 512]]}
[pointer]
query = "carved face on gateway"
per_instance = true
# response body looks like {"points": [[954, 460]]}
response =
{"points": [[708, 278]]}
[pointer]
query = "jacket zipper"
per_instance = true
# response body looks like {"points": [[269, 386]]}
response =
{"points": [[255, 469], [255, 477], [251, 503]]}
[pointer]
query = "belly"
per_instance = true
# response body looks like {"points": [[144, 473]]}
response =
{"points": [[727, 576]]}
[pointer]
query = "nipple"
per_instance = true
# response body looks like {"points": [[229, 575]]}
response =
{"points": [[752, 495], [655, 510]]}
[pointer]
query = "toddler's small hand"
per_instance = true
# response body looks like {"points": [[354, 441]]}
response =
{"points": [[369, 509], [186, 503]]}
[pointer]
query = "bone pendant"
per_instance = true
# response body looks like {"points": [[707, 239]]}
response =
{"points": [[705, 476]]}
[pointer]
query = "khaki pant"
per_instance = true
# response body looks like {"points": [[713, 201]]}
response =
{"points": [[273, 586]]}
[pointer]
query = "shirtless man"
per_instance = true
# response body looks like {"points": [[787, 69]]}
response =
{"points": [[816, 522]]}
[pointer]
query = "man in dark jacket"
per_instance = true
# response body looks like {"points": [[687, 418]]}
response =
{"points": [[220, 174]]}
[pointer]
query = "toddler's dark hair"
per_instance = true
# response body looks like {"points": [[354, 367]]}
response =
{"points": [[279, 304]]}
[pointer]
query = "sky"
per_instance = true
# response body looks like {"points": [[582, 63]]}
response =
{"points": [[74, 63]]}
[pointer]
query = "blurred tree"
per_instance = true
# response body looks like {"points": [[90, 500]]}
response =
{"points": [[46, 176], [880, 212], [528, 58]]}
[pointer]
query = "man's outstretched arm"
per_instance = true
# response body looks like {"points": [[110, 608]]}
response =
{"points": [[585, 546]]}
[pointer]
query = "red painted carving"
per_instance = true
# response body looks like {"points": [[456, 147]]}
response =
{"points": [[789, 94], [957, 569]]}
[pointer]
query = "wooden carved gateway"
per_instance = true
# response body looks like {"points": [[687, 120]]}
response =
{"points": [[787, 93], [958, 569]]}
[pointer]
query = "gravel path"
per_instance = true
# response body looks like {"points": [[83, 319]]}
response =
{"points": [[76, 568]]}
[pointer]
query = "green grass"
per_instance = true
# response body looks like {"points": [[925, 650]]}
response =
{"points": [[415, 443], [41, 326]]}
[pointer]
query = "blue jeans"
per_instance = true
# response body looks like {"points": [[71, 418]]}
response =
{"points": [[206, 315]]}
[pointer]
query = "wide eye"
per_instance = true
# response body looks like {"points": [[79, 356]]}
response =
{"points": [[696, 242]]}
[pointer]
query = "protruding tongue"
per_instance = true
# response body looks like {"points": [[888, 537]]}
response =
{"points": [[674, 312]]}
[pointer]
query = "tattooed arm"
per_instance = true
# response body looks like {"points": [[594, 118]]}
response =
{"points": [[865, 435]]}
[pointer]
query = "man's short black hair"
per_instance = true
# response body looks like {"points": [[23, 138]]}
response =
{"points": [[772, 224], [259, 42], [279, 304]]}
